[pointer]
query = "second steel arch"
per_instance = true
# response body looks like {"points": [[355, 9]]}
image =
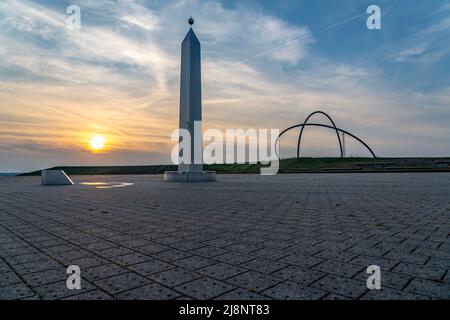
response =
{"points": [[306, 122]]}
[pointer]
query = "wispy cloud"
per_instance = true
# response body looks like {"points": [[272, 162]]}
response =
{"points": [[430, 43], [119, 76]]}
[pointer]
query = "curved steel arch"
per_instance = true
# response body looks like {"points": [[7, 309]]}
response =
{"points": [[323, 126], [306, 122]]}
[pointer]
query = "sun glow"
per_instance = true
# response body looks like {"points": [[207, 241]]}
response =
{"points": [[97, 143]]}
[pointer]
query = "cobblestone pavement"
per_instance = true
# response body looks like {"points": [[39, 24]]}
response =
{"points": [[308, 236]]}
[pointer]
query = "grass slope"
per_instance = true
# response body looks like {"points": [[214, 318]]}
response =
{"points": [[286, 166]]}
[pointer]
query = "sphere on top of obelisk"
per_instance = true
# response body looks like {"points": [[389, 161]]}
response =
{"points": [[191, 21]]}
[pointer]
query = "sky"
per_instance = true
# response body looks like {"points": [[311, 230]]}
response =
{"points": [[265, 64]]}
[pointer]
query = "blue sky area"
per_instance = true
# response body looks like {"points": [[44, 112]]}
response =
{"points": [[266, 64]]}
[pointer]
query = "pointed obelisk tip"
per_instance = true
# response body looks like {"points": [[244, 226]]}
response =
{"points": [[191, 21]]}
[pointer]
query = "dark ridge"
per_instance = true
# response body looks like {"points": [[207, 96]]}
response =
{"points": [[8, 174], [293, 165]]}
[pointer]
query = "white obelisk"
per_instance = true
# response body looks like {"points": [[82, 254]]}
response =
{"points": [[191, 97], [191, 112]]}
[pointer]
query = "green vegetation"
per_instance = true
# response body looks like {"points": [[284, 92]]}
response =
{"points": [[286, 166]]}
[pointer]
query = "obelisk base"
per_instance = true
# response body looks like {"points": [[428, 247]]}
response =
{"points": [[201, 176]]}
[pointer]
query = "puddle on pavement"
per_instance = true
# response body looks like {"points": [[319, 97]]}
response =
{"points": [[107, 185]]}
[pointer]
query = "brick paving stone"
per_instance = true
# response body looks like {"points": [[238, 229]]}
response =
{"points": [[367, 250], [434, 289], [366, 261], [59, 290], [341, 286], [187, 245], [433, 253], [64, 247], [25, 258], [302, 260], [428, 244], [391, 294], [174, 277], [245, 247], [438, 262], [129, 259], [254, 281], [33, 297], [152, 248], [121, 283], [17, 247], [171, 255], [9, 278], [204, 288], [194, 262], [329, 245], [338, 268], [447, 277], [91, 295], [234, 258], [242, 294], [168, 240], [293, 291], [102, 272], [388, 279], [134, 243], [18, 251], [86, 262], [300, 275], [407, 257], [221, 271], [99, 245], [333, 296], [152, 291], [87, 241], [15, 291], [276, 244], [263, 265], [36, 266], [114, 252], [151, 267], [430, 273], [221, 242], [66, 257], [208, 251], [183, 298], [45, 277], [274, 254], [335, 255], [4, 267]]}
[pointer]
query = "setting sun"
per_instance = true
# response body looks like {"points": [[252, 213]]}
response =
{"points": [[97, 143]]}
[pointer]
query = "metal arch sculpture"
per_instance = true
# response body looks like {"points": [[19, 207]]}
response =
{"points": [[306, 122], [323, 126]]}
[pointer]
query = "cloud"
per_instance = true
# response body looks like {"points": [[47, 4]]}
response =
{"points": [[429, 44], [119, 76]]}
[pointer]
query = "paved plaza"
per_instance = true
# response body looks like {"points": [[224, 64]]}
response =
{"points": [[299, 236]]}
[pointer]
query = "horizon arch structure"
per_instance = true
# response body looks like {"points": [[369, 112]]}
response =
{"points": [[303, 127], [306, 124]]}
